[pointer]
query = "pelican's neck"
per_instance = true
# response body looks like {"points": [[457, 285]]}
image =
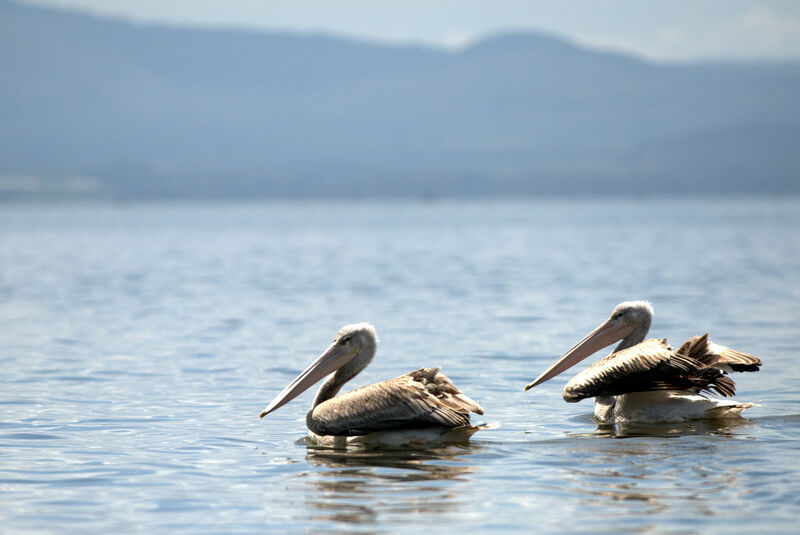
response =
{"points": [[335, 383], [637, 335], [329, 388]]}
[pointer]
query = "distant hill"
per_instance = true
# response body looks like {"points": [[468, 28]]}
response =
{"points": [[141, 111]]}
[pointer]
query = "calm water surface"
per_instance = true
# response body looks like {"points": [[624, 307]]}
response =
{"points": [[138, 344]]}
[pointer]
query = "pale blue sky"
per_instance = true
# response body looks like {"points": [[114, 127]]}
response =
{"points": [[663, 30]]}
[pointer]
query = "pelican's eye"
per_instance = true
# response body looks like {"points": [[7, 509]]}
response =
{"points": [[345, 340], [618, 315]]}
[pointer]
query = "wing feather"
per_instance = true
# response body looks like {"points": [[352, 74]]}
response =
{"points": [[724, 358], [421, 398], [698, 366], [629, 370]]}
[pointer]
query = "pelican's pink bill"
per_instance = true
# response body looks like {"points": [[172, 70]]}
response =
{"points": [[331, 360], [604, 335]]}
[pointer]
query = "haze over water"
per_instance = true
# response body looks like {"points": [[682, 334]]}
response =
{"points": [[139, 343]]}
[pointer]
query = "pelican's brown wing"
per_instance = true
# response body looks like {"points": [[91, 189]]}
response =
{"points": [[702, 349], [650, 365], [421, 398]]}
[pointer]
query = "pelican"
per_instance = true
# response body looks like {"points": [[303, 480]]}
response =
{"points": [[646, 381], [421, 407]]}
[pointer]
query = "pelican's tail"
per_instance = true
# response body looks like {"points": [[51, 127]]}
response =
{"points": [[729, 410], [464, 432]]}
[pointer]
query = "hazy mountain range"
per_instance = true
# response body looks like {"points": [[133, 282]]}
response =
{"points": [[96, 105]]}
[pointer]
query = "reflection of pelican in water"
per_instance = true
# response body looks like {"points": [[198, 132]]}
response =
{"points": [[406, 465], [646, 380], [723, 427], [421, 407], [646, 473], [358, 486]]}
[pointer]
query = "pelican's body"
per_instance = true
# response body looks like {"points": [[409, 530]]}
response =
{"points": [[646, 381], [420, 407]]}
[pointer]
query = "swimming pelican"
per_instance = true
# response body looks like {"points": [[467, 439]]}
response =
{"points": [[421, 407], [647, 381]]}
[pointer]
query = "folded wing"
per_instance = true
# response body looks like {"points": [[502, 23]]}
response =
{"points": [[697, 366], [422, 398]]}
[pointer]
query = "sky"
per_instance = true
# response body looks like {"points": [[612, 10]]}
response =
{"points": [[662, 30]]}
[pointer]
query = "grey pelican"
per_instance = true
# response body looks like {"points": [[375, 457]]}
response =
{"points": [[644, 381], [421, 407]]}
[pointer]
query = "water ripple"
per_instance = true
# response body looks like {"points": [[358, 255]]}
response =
{"points": [[132, 381]]}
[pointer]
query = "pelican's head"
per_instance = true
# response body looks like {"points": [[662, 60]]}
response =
{"points": [[630, 317], [361, 337], [636, 314], [352, 349]]}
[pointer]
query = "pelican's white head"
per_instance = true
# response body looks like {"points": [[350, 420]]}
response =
{"points": [[637, 314], [361, 336], [351, 350]]}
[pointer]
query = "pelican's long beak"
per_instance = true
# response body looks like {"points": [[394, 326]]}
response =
{"points": [[331, 360], [604, 335]]}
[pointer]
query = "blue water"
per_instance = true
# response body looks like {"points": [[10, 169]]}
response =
{"points": [[138, 344]]}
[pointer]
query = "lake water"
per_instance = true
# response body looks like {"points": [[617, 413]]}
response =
{"points": [[138, 344]]}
